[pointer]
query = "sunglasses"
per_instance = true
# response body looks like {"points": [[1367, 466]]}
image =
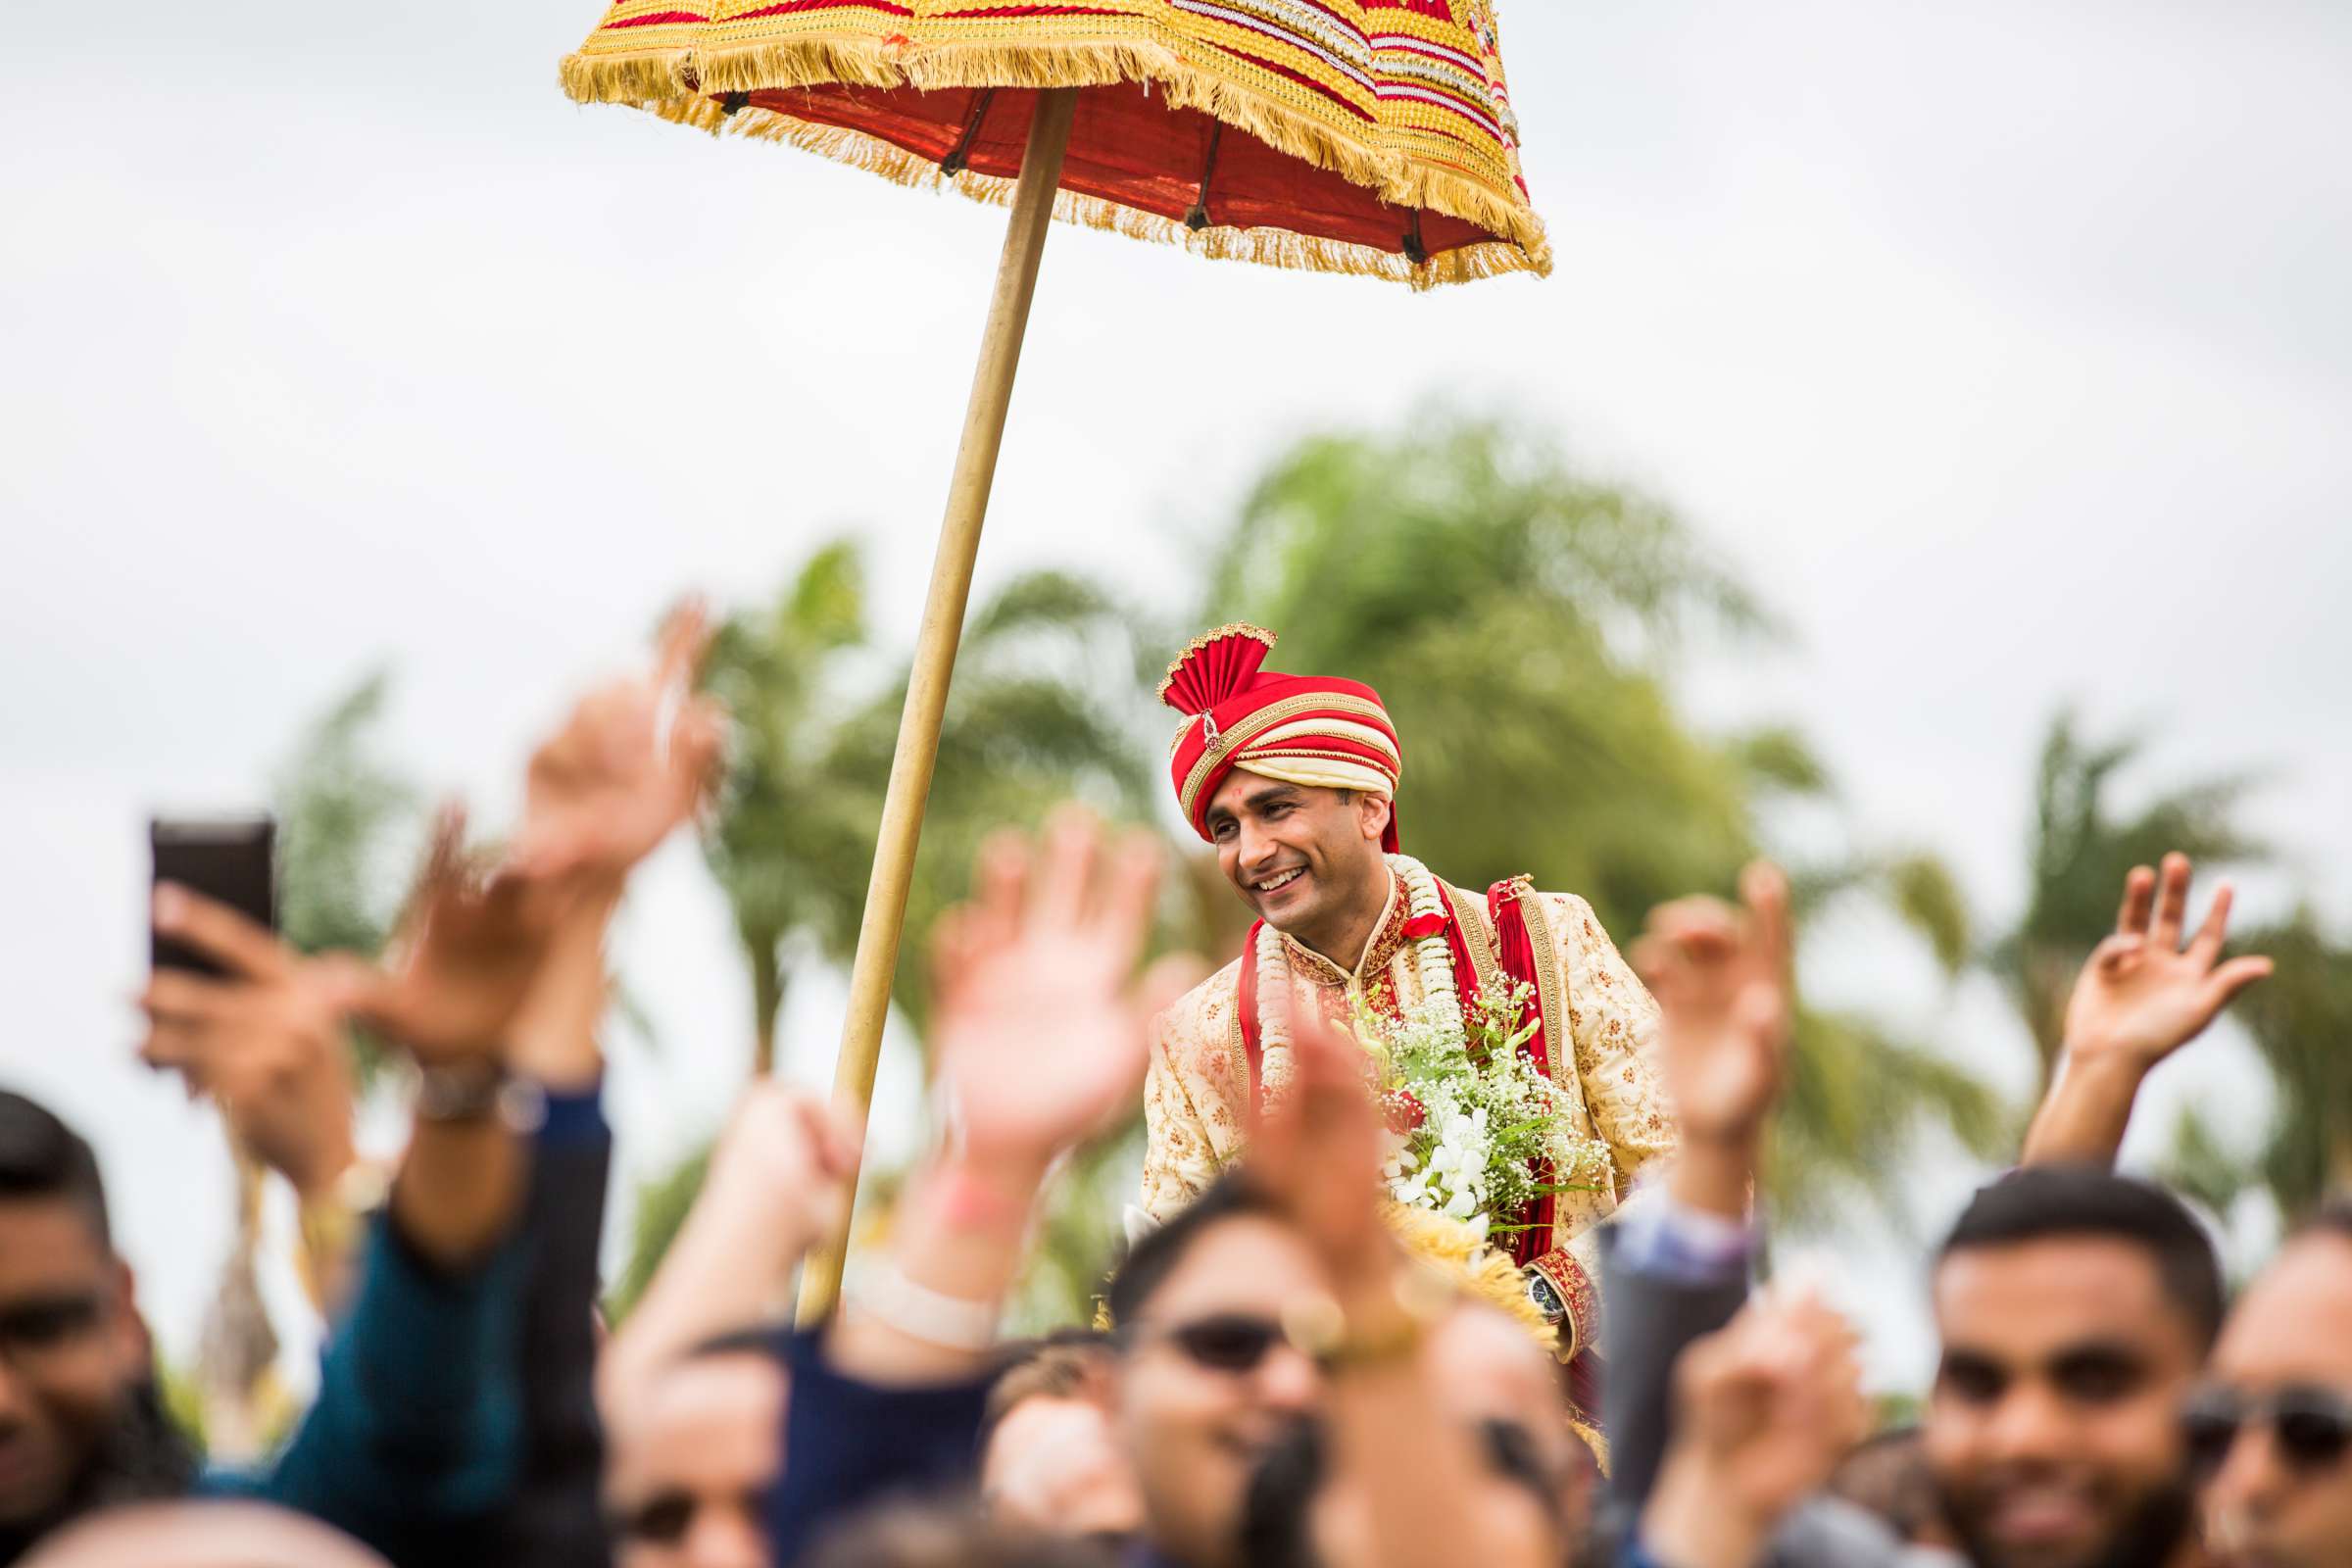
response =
{"points": [[663, 1519], [1225, 1341], [2312, 1426]]}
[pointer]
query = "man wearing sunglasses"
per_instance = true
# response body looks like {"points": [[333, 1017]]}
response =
{"points": [[1207, 1382], [2272, 1430]]}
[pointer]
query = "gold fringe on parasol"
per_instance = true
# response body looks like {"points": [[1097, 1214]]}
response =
{"points": [[686, 87]]}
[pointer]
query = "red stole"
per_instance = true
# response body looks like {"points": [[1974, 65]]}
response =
{"points": [[1517, 953]]}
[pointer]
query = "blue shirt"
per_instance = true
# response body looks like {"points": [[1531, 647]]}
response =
{"points": [[415, 1437]]}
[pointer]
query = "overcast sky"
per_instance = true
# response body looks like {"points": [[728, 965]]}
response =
{"points": [[2006, 348]]}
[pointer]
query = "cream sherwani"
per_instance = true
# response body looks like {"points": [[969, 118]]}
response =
{"points": [[1602, 1024]]}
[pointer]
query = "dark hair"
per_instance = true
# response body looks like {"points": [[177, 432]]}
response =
{"points": [[947, 1534], [1065, 1364], [41, 1157], [755, 1338], [2332, 1218], [2043, 1201], [1887, 1475], [1232, 1196]]}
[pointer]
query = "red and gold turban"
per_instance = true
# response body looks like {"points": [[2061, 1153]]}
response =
{"points": [[1315, 731]]}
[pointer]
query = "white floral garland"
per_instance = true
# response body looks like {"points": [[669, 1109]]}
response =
{"points": [[1433, 960], [1276, 1068], [1433, 954]]}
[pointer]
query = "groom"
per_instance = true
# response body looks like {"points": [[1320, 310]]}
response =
{"points": [[1294, 781]]}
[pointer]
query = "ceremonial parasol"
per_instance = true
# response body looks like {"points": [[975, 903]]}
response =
{"points": [[1365, 136]]}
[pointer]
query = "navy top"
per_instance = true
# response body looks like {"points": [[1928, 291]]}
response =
{"points": [[849, 1444]]}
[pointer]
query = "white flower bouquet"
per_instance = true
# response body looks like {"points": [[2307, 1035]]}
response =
{"points": [[1477, 1131]]}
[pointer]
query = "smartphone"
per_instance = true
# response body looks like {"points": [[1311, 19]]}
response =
{"points": [[231, 860]]}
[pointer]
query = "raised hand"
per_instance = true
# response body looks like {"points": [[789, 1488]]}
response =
{"points": [[1317, 1151], [1722, 980], [266, 1041], [2143, 996], [1039, 1040], [470, 950], [2140, 998], [1765, 1410], [1038, 1030], [781, 1171], [635, 760], [778, 1182]]}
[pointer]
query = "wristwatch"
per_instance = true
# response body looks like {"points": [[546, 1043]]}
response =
{"points": [[1546, 1297], [1558, 1287], [478, 1091]]}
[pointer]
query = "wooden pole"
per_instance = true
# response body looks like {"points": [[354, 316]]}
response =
{"points": [[934, 648]]}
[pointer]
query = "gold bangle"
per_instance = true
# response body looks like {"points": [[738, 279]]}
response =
{"points": [[1319, 1328], [329, 1224], [1365, 1352]]}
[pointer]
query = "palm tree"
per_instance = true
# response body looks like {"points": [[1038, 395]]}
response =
{"points": [[1042, 712], [1030, 721], [1524, 625], [1517, 619], [657, 1217], [344, 816], [341, 811], [2300, 1019], [1041, 709], [2081, 852], [791, 835]]}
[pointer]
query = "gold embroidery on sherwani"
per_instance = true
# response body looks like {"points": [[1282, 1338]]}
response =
{"points": [[1240, 1069], [1602, 1026], [1470, 914], [1558, 1025]]}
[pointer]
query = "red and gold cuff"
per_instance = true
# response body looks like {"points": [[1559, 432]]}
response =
{"points": [[1565, 1294]]}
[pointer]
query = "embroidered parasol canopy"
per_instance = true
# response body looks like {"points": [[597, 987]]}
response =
{"points": [[1365, 136]]}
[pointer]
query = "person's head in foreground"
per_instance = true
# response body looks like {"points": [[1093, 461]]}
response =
{"points": [[2076, 1308], [1292, 778], [2270, 1430], [202, 1534], [945, 1535], [80, 1426], [1049, 1458], [1207, 1383], [1534, 1476], [688, 1468]]}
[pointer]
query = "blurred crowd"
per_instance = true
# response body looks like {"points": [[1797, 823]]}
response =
{"points": [[1276, 1380]]}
